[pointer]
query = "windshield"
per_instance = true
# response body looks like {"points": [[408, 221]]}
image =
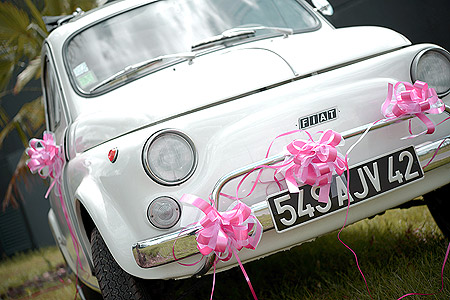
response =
{"points": [[171, 27]]}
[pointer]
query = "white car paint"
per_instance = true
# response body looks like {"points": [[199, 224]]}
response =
{"points": [[299, 75]]}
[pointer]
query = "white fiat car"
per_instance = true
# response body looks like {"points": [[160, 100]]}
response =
{"points": [[151, 100]]}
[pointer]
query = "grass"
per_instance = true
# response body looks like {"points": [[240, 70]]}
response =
{"points": [[400, 252], [26, 266], [63, 293], [38, 274]]}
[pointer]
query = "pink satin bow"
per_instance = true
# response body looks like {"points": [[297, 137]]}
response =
{"points": [[416, 99], [224, 232], [313, 163], [45, 158]]}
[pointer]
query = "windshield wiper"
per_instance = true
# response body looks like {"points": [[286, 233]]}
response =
{"points": [[237, 33], [223, 37], [132, 69]]}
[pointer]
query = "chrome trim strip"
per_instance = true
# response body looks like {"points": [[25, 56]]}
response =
{"points": [[278, 158], [427, 151], [158, 250]]}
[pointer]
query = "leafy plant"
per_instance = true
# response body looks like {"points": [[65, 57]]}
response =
{"points": [[22, 33]]}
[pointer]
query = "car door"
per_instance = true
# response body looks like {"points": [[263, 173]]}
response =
{"points": [[57, 121]]}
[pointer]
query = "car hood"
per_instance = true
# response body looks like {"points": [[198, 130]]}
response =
{"points": [[221, 76]]}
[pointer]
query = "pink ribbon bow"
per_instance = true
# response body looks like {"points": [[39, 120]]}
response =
{"points": [[45, 158], [416, 99], [313, 163], [224, 232]]}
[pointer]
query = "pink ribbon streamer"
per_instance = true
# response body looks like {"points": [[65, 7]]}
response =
{"points": [[345, 223], [356, 256], [314, 163], [416, 99], [226, 233], [46, 160]]}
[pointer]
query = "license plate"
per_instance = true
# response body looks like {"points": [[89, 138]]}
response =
{"points": [[367, 180]]}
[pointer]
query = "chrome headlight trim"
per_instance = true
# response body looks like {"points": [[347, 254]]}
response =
{"points": [[415, 66], [167, 205], [147, 164]]}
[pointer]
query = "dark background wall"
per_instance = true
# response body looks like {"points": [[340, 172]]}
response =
{"points": [[24, 226], [419, 20]]}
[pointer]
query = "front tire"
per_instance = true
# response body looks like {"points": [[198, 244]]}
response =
{"points": [[438, 203], [88, 293], [114, 282]]}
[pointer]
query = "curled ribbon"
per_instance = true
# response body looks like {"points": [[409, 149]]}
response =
{"points": [[313, 163], [224, 232], [45, 158], [416, 99]]}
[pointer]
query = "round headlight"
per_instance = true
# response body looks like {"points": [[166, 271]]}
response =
{"points": [[169, 157], [164, 212], [433, 67]]}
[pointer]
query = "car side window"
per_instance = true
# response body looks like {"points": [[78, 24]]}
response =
{"points": [[52, 97]]}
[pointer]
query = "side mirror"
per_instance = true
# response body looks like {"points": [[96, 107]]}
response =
{"points": [[323, 6]]}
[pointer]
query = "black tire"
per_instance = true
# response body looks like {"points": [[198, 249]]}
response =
{"points": [[114, 282], [438, 203], [88, 293]]}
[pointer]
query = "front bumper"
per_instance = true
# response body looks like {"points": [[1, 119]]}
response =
{"points": [[159, 250]]}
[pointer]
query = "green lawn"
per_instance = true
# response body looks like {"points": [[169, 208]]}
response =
{"points": [[39, 274], [400, 252]]}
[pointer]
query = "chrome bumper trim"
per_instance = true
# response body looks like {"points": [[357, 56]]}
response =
{"points": [[158, 250]]}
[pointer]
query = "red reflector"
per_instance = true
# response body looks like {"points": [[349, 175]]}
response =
{"points": [[112, 155]]}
